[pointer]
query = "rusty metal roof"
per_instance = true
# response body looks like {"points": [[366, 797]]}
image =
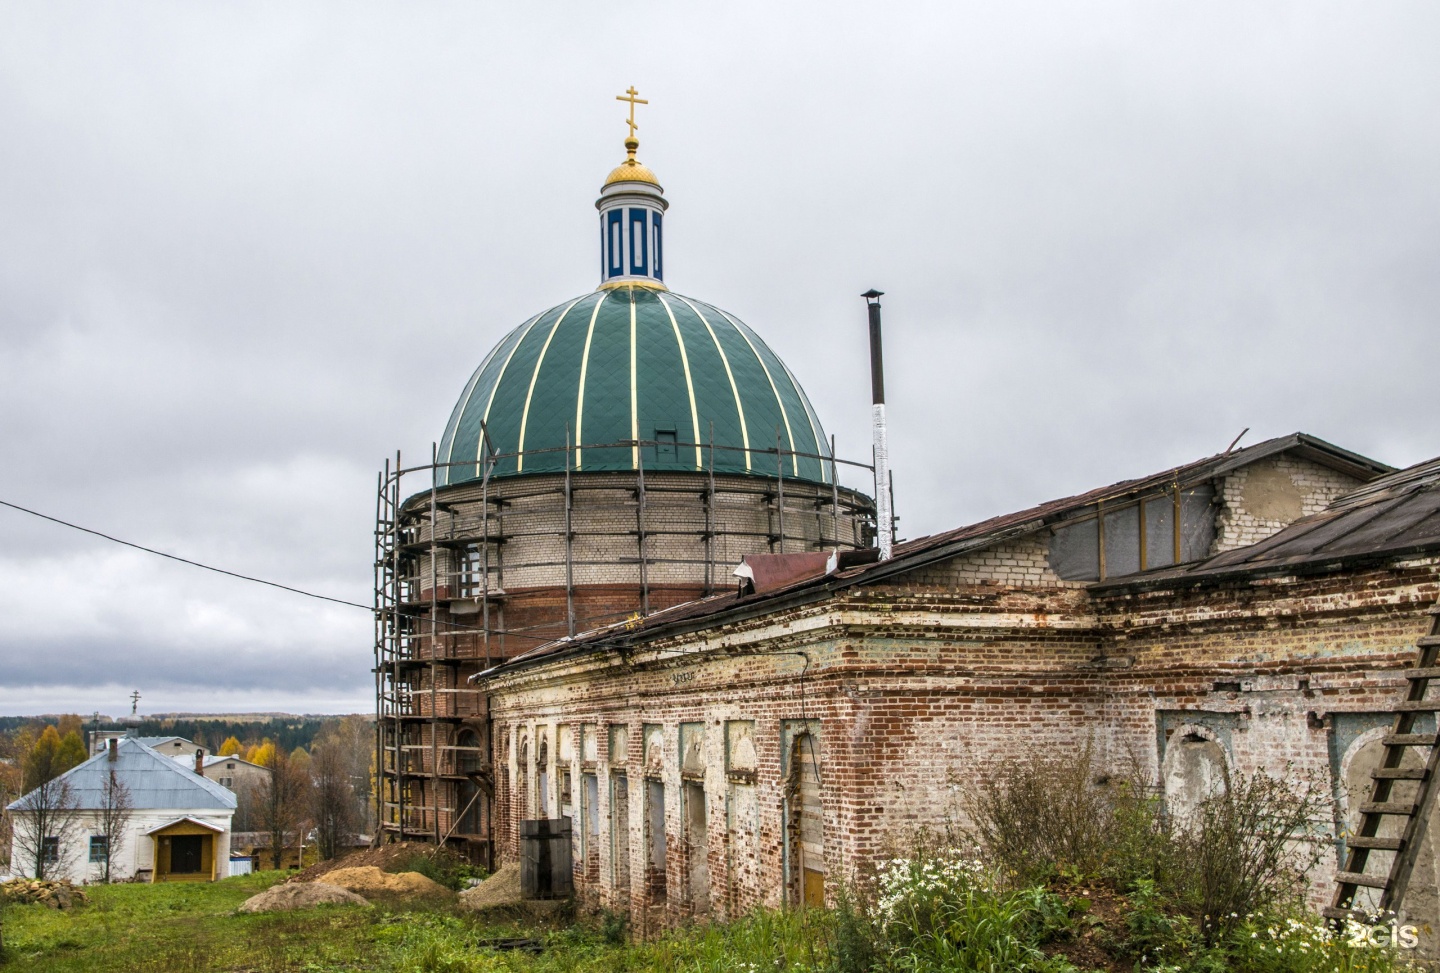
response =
{"points": [[915, 553], [1302, 445]]}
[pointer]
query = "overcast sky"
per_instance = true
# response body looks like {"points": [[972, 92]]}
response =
{"points": [[249, 250]]}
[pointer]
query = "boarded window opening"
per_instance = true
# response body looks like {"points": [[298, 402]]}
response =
{"points": [[807, 823], [655, 840], [590, 814], [620, 832], [697, 848]]}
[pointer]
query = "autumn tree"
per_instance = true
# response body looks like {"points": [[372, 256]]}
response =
{"points": [[262, 753], [333, 804], [72, 752], [354, 738], [231, 747], [281, 801]]}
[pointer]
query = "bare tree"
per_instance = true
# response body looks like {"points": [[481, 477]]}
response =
{"points": [[280, 801], [114, 811], [333, 798], [45, 821]]}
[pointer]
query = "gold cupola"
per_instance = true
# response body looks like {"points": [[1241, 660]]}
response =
{"points": [[632, 207]]}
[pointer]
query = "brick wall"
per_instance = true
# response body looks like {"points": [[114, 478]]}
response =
{"points": [[913, 692], [1266, 496]]}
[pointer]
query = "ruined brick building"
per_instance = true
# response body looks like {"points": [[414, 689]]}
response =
{"points": [[719, 745]]}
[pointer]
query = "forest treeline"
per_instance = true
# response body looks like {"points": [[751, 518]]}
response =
{"points": [[286, 731]]}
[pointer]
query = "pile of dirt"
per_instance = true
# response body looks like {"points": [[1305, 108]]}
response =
{"points": [[395, 857], [499, 890], [288, 896], [53, 895], [371, 882]]}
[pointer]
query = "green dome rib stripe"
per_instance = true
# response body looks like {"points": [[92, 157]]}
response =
{"points": [[607, 390], [534, 375], [663, 399], [822, 445], [503, 423], [739, 405], [689, 381], [552, 409], [799, 404], [762, 410], [634, 391], [784, 415], [584, 366], [468, 429], [715, 403]]}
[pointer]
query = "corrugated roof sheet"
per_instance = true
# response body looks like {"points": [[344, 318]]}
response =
{"points": [[153, 779]]}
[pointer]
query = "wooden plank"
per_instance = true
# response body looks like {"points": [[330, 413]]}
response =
{"points": [[1418, 706], [1414, 675], [1360, 878], [1398, 773], [1409, 740], [1331, 912], [1378, 844], [1391, 808]]}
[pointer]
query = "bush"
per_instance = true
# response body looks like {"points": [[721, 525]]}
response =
{"points": [[1245, 849], [1248, 848], [1050, 816]]}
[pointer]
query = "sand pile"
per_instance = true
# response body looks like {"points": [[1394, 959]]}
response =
{"points": [[297, 895], [388, 858], [500, 889], [371, 882]]}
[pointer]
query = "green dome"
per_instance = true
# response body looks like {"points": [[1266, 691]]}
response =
{"points": [[641, 364]]}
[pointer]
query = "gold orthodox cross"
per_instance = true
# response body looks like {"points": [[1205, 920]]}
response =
{"points": [[629, 96]]}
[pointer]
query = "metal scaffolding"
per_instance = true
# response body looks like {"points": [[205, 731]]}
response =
{"points": [[442, 555]]}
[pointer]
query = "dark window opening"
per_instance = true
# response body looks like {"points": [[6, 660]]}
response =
{"points": [[99, 848], [1133, 535], [470, 571]]}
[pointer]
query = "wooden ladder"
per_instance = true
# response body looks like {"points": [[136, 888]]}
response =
{"points": [[1415, 814]]}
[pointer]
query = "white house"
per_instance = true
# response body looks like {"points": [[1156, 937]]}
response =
{"points": [[179, 827]]}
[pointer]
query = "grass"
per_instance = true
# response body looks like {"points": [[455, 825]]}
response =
{"points": [[195, 929]]}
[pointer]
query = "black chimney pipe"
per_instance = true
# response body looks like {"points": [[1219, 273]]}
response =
{"points": [[877, 356], [884, 517]]}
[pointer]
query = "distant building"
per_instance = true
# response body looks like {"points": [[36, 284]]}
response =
{"points": [[179, 828], [232, 772], [170, 746]]}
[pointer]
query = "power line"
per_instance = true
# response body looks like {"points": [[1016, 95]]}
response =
{"points": [[184, 560], [476, 629]]}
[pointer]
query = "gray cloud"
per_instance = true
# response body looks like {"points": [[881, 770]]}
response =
{"points": [[246, 253]]}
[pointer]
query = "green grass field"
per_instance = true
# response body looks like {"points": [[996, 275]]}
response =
{"points": [[193, 928]]}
